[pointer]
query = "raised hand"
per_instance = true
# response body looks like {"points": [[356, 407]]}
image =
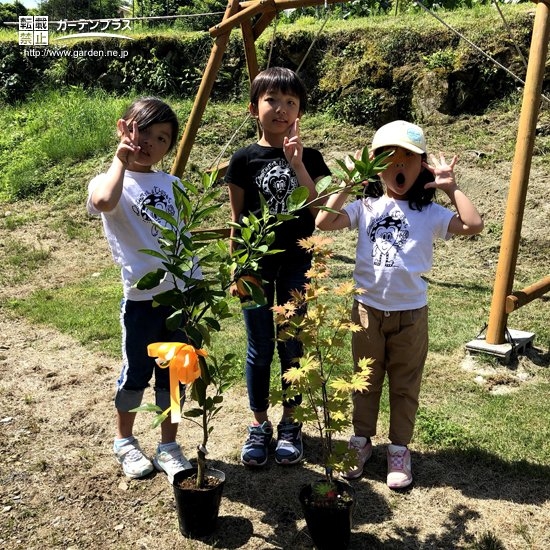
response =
{"points": [[128, 148], [292, 144], [444, 176]]}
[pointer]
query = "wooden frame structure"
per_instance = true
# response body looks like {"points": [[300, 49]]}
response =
{"points": [[254, 16]]}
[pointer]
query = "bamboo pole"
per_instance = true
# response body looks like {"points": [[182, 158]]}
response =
{"points": [[504, 278], [203, 94], [263, 22], [289, 4], [250, 50]]}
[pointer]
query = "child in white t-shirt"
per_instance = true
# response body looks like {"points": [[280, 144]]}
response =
{"points": [[397, 225], [122, 195]]}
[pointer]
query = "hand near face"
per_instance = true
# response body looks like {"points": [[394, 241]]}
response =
{"points": [[444, 176], [292, 144], [128, 149]]}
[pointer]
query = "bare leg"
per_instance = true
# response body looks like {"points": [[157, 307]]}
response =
{"points": [[168, 431], [125, 424], [260, 417]]}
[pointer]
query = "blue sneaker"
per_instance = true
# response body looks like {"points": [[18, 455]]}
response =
{"points": [[255, 448], [290, 449]]}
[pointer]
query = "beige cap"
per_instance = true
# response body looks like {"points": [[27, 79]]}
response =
{"points": [[402, 134]]}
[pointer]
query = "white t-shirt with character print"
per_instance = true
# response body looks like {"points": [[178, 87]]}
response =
{"points": [[395, 250], [129, 228]]}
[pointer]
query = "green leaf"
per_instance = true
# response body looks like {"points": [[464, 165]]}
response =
{"points": [[193, 413], [198, 391], [147, 407], [163, 215], [297, 198], [151, 280], [323, 184], [154, 253]]}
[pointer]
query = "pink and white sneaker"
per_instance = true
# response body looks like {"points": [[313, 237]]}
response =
{"points": [[399, 467], [363, 448]]}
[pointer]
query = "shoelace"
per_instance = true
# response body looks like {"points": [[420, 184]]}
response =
{"points": [[396, 461], [256, 438], [135, 455], [286, 436]]}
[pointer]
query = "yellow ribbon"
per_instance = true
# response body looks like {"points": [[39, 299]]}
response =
{"points": [[183, 363]]}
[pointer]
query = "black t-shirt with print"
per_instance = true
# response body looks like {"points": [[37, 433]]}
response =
{"points": [[259, 169]]}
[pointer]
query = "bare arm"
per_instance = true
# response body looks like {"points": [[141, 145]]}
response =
{"points": [[330, 221], [468, 220], [107, 193]]}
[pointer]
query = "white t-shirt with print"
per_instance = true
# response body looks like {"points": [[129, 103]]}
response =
{"points": [[394, 250], [129, 228]]}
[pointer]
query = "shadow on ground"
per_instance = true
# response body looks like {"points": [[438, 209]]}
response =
{"points": [[273, 492]]}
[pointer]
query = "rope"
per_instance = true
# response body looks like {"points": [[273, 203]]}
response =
{"points": [[315, 39], [272, 40], [220, 156], [495, 2], [419, 3]]}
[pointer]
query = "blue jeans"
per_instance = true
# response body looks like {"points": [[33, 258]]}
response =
{"points": [[260, 331]]}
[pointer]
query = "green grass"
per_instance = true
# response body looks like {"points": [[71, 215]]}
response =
{"points": [[88, 310]]}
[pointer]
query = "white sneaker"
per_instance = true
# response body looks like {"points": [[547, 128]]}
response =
{"points": [[171, 461], [134, 463], [399, 467], [363, 448]]}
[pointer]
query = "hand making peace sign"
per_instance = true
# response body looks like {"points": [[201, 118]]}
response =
{"points": [[128, 148]]}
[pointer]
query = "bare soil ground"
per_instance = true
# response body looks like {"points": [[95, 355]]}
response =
{"points": [[61, 487]]}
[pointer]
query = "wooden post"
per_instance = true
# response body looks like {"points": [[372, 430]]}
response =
{"points": [[504, 278], [519, 298], [203, 94]]}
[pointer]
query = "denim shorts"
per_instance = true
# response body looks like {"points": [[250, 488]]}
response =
{"points": [[142, 324]]}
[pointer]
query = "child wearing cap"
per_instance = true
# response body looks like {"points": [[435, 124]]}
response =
{"points": [[397, 223]]}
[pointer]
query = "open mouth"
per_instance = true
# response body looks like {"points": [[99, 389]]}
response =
{"points": [[400, 179]]}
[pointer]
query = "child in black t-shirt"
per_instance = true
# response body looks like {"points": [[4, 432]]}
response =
{"points": [[274, 166]]}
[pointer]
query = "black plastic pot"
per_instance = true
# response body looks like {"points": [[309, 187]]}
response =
{"points": [[329, 526], [198, 508]]}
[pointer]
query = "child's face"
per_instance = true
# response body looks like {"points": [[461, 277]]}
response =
{"points": [[404, 170], [154, 142], [277, 112]]}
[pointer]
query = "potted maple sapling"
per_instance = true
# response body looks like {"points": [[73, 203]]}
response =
{"points": [[197, 262], [319, 318]]}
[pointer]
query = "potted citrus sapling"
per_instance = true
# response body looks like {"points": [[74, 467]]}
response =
{"points": [[197, 262], [202, 270]]}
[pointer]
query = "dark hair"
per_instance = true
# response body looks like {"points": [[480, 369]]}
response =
{"points": [[147, 111], [417, 196], [280, 79]]}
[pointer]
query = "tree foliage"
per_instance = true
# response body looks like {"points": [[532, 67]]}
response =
{"points": [[72, 10]]}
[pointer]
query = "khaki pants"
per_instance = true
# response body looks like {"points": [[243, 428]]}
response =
{"points": [[398, 343]]}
